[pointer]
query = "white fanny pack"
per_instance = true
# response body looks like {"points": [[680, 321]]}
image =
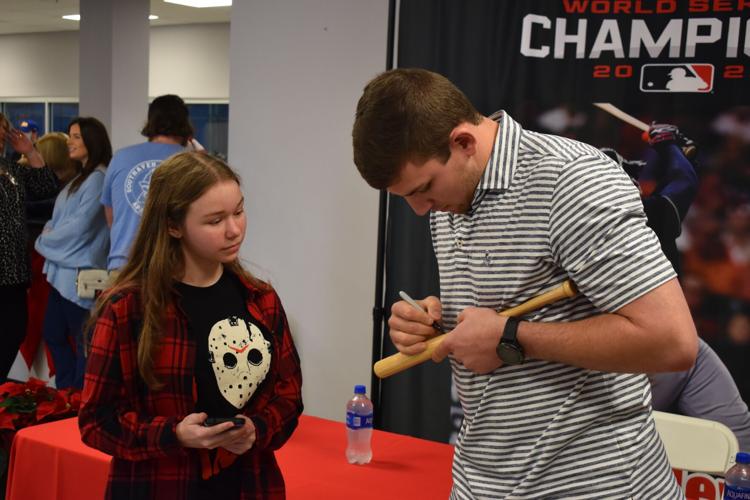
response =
{"points": [[91, 282]]}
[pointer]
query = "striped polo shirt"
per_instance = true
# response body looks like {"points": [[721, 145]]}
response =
{"points": [[547, 209]]}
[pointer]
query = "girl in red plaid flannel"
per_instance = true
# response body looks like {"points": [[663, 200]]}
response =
{"points": [[185, 333]]}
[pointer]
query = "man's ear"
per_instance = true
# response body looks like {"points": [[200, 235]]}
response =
{"points": [[462, 139]]}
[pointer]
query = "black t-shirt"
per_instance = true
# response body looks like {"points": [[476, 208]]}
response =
{"points": [[233, 349], [233, 355]]}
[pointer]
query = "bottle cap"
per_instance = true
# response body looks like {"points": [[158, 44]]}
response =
{"points": [[743, 458], [360, 389]]}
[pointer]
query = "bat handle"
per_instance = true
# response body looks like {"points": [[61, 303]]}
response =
{"points": [[399, 362]]}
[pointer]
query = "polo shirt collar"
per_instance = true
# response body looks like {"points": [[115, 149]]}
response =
{"points": [[500, 167]]}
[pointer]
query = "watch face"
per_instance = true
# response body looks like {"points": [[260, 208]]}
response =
{"points": [[510, 354]]}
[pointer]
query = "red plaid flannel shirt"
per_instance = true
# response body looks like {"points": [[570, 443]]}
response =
{"points": [[122, 417]]}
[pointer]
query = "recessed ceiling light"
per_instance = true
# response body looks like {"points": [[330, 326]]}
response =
{"points": [[77, 17], [201, 3]]}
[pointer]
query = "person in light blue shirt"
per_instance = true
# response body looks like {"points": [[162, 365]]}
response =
{"points": [[77, 237], [126, 184]]}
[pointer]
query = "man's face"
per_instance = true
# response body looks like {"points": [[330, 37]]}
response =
{"points": [[437, 186]]}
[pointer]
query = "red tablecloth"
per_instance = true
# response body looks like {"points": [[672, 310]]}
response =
{"points": [[49, 461]]}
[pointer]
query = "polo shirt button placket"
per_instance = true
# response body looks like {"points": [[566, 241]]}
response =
{"points": [[462, 259]]}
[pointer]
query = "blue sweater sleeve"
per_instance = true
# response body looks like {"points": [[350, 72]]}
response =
{"points": [[66, 238]]}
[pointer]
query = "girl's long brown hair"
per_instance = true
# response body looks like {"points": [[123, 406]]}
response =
{"points": [[156, 259]]}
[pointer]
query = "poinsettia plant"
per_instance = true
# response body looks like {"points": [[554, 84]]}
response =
{"points": [[32, 402]]}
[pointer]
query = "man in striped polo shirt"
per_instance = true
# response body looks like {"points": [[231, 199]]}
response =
{"points": [[556, 405]]}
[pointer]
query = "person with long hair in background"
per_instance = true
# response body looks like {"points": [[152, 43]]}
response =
{"points": [[186, 333], [77, 237]]}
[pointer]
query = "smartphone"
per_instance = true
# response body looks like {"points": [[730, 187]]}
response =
{"points": [[211, 421]]}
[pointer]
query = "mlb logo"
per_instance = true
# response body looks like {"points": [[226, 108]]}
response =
{"points": [[677, 78]]}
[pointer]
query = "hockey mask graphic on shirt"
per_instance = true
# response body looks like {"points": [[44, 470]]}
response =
{"points": [[240, 358]]}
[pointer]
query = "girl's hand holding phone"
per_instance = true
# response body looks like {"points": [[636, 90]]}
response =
{"points": [[191, 432], [242, 438]]}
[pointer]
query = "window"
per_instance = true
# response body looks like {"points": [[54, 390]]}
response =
{"points": [[211, 120], [61, 114], [19, 111], [211, 123]]}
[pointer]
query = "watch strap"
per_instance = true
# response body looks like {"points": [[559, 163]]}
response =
{"points": [[510, 331]]}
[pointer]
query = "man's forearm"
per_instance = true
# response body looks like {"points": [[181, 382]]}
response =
{"points": [[653, 333]]}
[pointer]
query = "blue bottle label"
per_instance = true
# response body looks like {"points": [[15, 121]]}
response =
{"points": [[736, 492], [355, 421]]}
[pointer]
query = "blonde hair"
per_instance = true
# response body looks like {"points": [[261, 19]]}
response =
{"points": [[53, 147], [156, 258]]}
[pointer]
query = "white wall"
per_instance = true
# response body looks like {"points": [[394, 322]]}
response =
{"points": [[191, 61], [39, 65], [297, 70]]}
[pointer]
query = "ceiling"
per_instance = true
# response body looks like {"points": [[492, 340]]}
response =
{"points": [[33, 16]]}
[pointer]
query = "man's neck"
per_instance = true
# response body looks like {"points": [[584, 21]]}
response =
{"points": [[487, 131], [167, 139]]}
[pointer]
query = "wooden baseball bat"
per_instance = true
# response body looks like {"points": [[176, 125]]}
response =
{"points": [[399, 362]]}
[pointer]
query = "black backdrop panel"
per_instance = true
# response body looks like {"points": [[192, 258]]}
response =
{"points": [[417, 401], [502, 55]]}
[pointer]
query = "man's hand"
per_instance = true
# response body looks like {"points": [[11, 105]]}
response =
{"points": [[241, 439], [192, 434], [474, 341], [409, 328]]}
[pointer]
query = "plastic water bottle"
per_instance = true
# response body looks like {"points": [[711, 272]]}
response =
{"points": [[359, 427], [737, 478]]}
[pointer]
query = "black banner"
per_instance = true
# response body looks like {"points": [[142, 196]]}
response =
{"points": [[684, 62]]}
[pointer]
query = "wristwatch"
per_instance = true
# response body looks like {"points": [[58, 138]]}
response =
{"points": [[508, 349]]}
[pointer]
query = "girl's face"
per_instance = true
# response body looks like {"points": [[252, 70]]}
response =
{"points": [[76, 148], [214, 227]]}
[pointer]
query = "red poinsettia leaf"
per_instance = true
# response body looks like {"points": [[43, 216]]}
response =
{"points": [[35, 383], [11, 388], [6, 420], [45, 408], [58, 397], [75, 400]]}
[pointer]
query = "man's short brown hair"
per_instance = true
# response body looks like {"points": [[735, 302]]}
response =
{"points": [[406, 115]]}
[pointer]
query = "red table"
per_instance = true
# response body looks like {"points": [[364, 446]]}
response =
{"points": [[49, 461]]}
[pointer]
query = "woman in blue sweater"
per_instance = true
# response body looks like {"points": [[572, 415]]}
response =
{"points": [[77, 237]]}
